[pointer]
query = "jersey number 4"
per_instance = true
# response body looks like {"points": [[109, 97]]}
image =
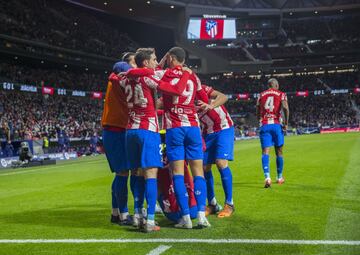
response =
{"points": [[269, 104]]}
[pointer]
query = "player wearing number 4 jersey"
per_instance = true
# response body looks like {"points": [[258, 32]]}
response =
{"points": [[142, 138], [269, 106], [183, 137]]}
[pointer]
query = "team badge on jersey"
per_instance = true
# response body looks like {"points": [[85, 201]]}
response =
{"points": [[211, 28]]}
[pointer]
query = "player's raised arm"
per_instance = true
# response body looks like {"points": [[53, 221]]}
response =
{"points": [[163, 61], [177, 89]]}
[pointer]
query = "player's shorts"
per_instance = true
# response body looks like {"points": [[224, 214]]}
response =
{"points": [[184, 143], [219, 145], [176, 216], [115, 150], [271, 135], [143, 148]]}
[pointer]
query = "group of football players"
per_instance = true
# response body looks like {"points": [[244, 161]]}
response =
{"points": [[197, 132]]}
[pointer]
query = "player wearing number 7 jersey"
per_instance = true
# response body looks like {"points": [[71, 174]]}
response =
{"points": [[142, 138], [269, 106]]}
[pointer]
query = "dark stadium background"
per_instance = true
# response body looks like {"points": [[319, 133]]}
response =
{"points": [[69, 47]]}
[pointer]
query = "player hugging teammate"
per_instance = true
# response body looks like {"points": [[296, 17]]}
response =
{"points": [[132, 141]]}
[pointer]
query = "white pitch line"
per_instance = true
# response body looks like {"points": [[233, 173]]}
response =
{"points": [[50, 168], [166, 240], [160, 249], [30, 171]]}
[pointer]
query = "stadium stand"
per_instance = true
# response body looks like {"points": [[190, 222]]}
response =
{"points": [[69, 27], [81, 36]]}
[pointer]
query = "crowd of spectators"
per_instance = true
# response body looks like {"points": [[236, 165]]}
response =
{"points": [[57, 78], [315, 111], [244, 84], [61, 24], [34, 116]]}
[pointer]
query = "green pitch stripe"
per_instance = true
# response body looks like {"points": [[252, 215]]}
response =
{"points": [[344, 215]]}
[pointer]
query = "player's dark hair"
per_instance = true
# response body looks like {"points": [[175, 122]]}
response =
{"points": [[178, 53], [126, 56], [143, 54]]}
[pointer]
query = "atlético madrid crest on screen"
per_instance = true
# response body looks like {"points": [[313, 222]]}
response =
{"points": [[211, 28]]}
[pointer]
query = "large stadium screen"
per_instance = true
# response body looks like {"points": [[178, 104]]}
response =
{"points": [[211, 29]]}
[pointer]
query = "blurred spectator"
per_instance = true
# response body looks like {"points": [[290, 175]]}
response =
{"points": [[9, 149]]}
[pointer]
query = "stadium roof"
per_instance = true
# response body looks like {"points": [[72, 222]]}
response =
{"points": [[165, 12], [264, 4]]}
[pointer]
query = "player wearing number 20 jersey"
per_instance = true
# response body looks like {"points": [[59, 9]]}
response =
{"points": [[270, 104]]}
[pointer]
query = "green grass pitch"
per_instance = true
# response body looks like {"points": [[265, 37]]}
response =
{"points": [[320, 200]]}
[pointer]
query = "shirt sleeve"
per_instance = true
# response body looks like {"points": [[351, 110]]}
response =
{"points": [[122, 81], [207, 89], [198, 83], [159, 74], [201, 95], [151, 82], [176, 89], [137, 72]]}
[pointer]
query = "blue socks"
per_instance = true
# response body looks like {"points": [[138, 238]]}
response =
{"points": [[265, 165], [122, 194], [182, 196], [114, 190], [151, 194], [132, 183], [138, 193], [200, 192], [279, 166], [226, 179], [209, 186]]}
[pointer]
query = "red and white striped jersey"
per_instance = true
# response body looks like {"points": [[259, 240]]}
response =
{"points": [[140, 96], [141, 104], [166, 189], [269, 103], [214, 120], [180, 110]]}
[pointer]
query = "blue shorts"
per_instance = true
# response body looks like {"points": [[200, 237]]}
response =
{"points": [[143, 148], [271, 135], [184, 143], [219, 145], [115, 150]]}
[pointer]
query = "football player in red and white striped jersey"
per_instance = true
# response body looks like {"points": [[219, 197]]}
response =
{"points": [[218, 133], [183, 139], [142, 138], [269, 106]]}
